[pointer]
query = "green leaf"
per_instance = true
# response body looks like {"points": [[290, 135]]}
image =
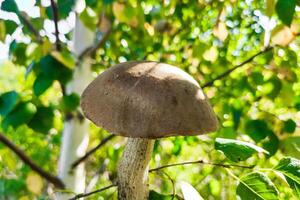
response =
{"points": [[54, 69], [8, 101], [11, 187], [153, 195], [41, 84], [236, 150], [290, 146], [289, 126], [271, 144], [285, 10], [64, 7], [17, 51], [256, 186], [290, 168], [9, 6], [10, 26], [22, 114], [43, 119], [257, 129], [70, 102]]}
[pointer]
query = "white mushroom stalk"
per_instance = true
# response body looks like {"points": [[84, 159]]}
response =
{"points": [[133, 169]]}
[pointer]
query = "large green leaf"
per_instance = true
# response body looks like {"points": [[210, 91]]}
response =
{"points": [[290, 168], [256, 186], [8, 101], [257, 129], [285, 10], [236, 150], [10, 6], [22, 114], [43, 119], [54, 69], [41, 84]]}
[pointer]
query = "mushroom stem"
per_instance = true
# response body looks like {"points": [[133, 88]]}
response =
{"points": [[133, 169]]}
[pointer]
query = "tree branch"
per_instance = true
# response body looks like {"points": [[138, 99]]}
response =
{"points": [[55, 19], [93, 192], [92, 49], [200, 162], [226, 73], [90, 152], [24, 18], [20, 153]]}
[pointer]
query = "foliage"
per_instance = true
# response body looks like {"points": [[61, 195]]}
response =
{"points": [[257, 103]]}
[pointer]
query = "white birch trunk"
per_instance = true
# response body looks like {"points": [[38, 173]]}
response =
{"points": [[75, 134]]}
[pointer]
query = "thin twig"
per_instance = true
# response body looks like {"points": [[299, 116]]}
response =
{"points": [[93, 192], [226, 73], [173, 184], [55, 19], [24, 18], [90, 152], [21, 154], [200, 162], [91, 50]]}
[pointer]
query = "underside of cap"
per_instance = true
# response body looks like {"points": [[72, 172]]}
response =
{"points": [[148, 100]]}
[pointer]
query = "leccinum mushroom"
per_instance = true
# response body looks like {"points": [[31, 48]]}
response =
{"points": [[143, 101]]}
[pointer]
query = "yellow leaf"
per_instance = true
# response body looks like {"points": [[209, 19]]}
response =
{"points": [[220, 31], [283, 35], [34, 183], [270, 7], [24, 198], [211, 54], [118, 10], [65, 58], [149, 29]]}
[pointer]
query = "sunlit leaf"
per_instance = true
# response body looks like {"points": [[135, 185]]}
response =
{"points": [[282, 35], [290, 146], [256, 186], [211, 54], [290, 168], [189, 192], [220, 31], [236, 150], [65, 58], [34, 183]]}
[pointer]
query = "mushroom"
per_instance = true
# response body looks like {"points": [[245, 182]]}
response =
{"points": [[144, 100]]}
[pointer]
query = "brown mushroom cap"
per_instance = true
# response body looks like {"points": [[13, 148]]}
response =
{"points": [[148, 100]]}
